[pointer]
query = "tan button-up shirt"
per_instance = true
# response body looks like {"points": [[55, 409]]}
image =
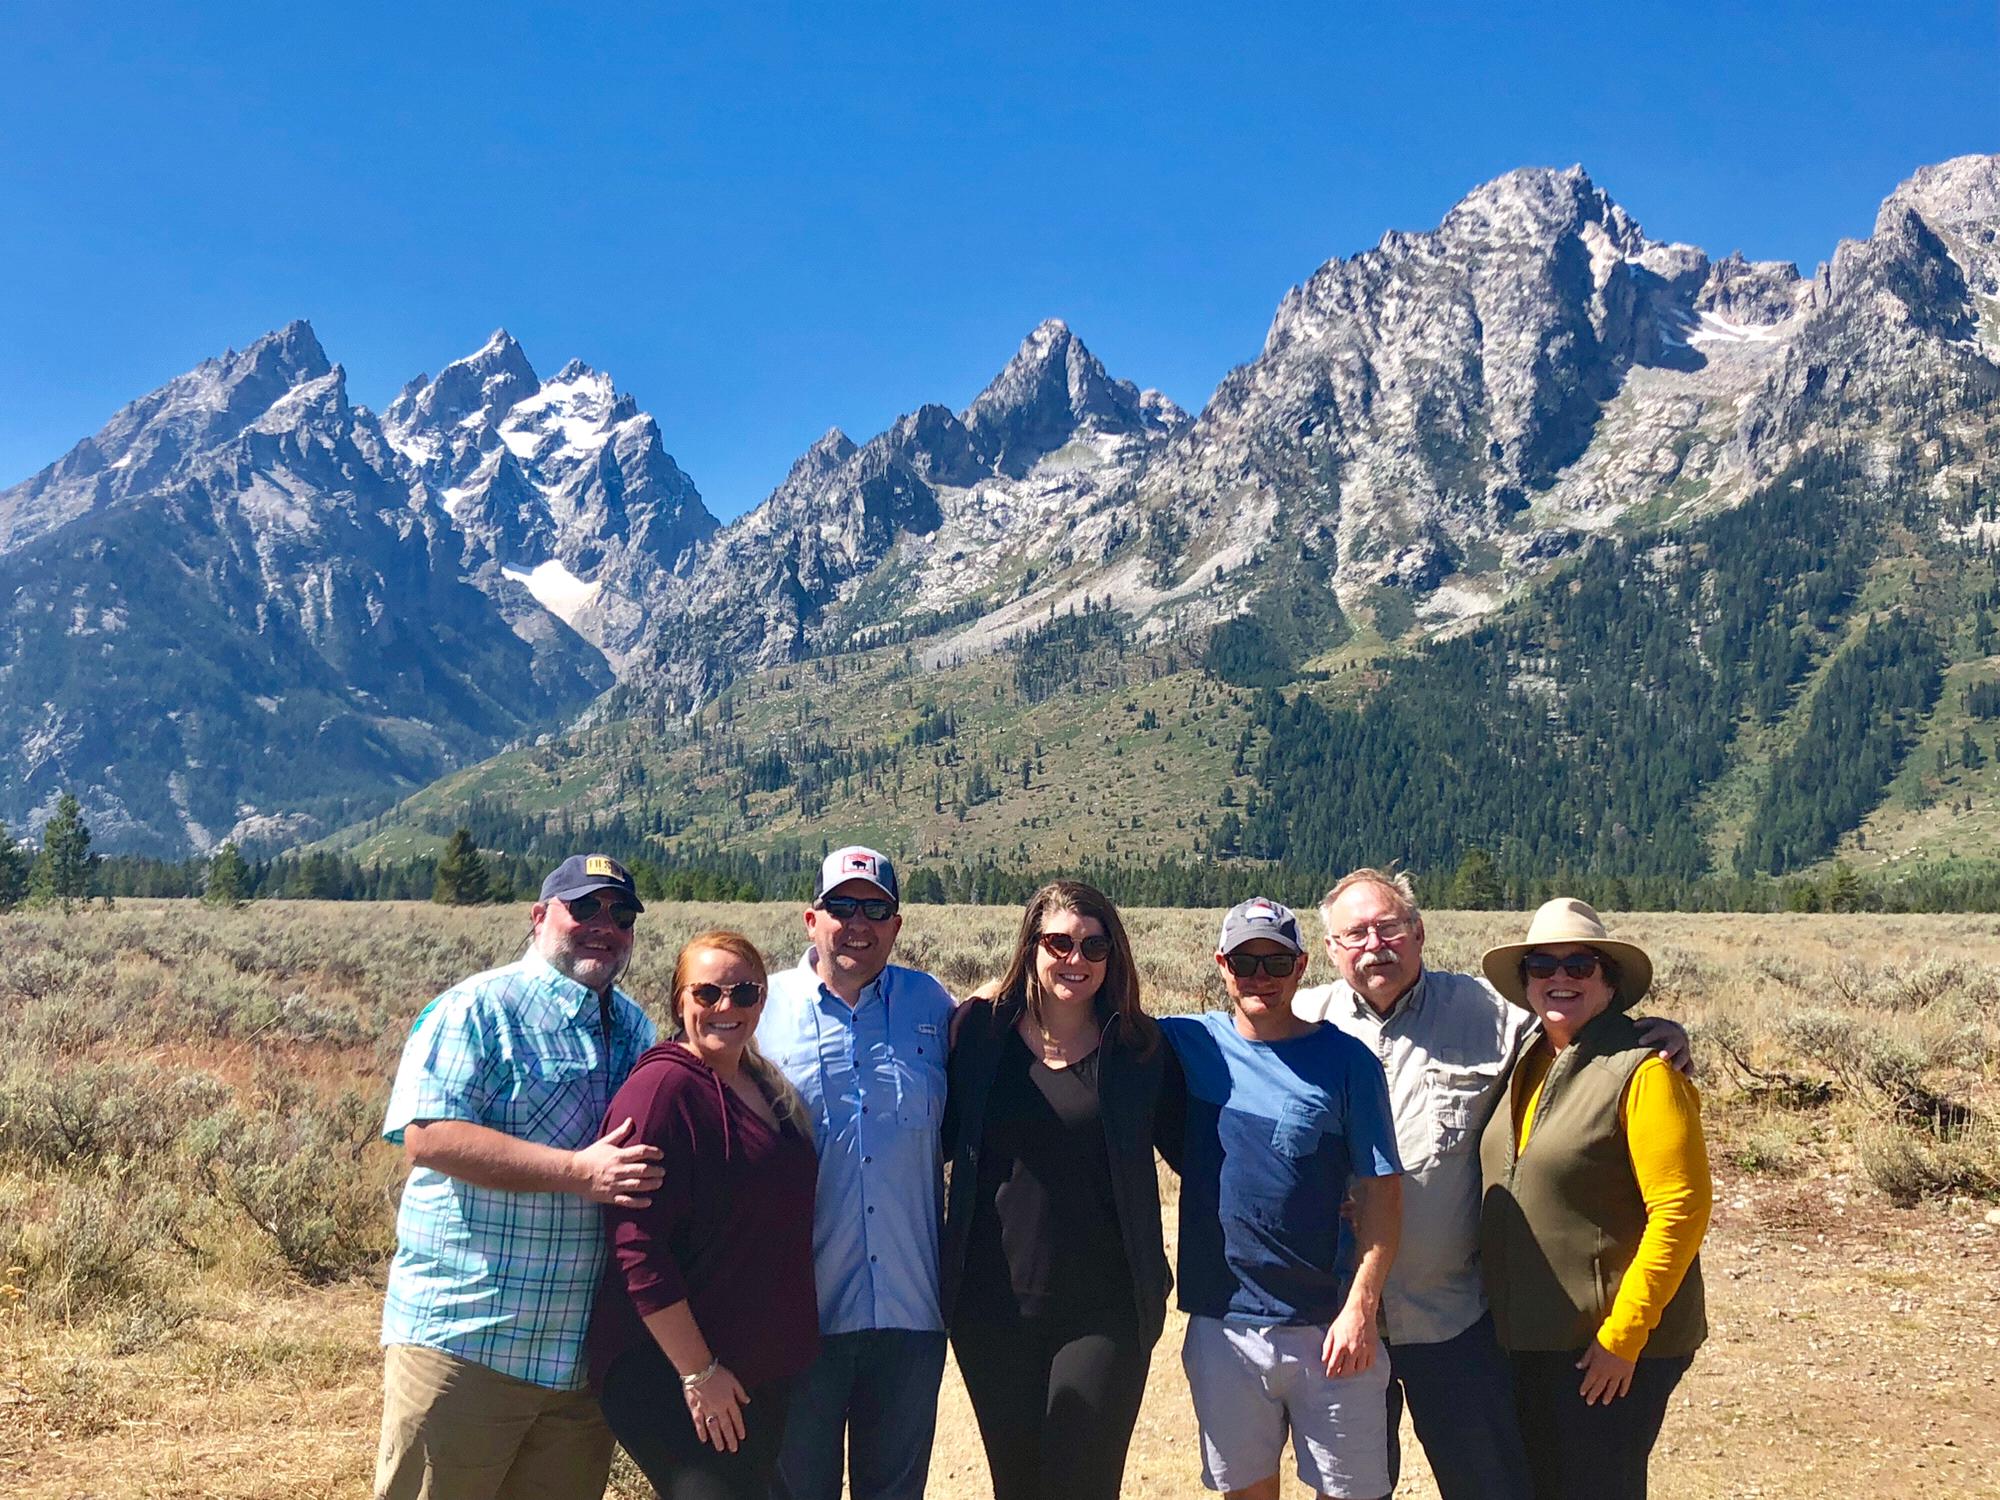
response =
{"points": [[1445, 1046]]}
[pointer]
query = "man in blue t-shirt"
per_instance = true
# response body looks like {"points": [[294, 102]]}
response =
{"points": [[1286, 1119]]}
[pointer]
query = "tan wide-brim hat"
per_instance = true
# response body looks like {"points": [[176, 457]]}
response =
{"points": [[1568, 920]]}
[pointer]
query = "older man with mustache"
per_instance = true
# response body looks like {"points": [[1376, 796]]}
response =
{"points": [[1446, 1043]]}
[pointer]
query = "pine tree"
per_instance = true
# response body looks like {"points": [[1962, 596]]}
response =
{"points": [[64, 868], [14, 862], [1475, 886], [461, 873], [228, 877]]}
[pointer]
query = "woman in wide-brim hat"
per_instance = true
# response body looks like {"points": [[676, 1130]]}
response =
{"points": [[1597, 1195]]}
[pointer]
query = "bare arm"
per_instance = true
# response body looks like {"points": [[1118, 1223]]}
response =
{"points": [[603, 1172], [1378, 1228], [716, 1403]]}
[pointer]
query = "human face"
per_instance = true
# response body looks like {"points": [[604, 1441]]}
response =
{"points": [[1567, 1005], [1380, 970], [593, 953], [718, 1033], [1261, 1001], [1069, 979], [852, 952]]}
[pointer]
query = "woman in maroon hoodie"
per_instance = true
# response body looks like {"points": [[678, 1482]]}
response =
{"points": [[707, 1311]]}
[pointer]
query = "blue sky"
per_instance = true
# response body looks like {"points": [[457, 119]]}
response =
{"points": [[769, 220]]}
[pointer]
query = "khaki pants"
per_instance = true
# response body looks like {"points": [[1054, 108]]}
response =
{"points": [[454, 1430]]}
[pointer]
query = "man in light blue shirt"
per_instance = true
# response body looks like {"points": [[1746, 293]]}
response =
{"points": [[498, 1103], [865, 1042]]}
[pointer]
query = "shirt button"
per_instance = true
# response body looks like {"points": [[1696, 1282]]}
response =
{"points": [[866, 1160], [873, 1259], [871, 1208]]}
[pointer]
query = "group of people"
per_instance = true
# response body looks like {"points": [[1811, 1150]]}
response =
{"points": [[739, 1252]]}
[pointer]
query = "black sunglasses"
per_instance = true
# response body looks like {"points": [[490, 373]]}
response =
{"points": [[742, 996], [843, 908], [1575, 965], [582, 908], [1277, 965], [1061, 945]]}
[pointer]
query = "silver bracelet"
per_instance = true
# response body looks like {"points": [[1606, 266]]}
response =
{"points": [[692, 1382]]}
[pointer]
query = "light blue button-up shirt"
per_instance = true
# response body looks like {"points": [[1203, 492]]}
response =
{"points": [[873, 1078]]}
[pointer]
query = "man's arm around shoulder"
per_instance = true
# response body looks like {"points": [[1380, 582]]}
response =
{"points": [[605, 1171]]}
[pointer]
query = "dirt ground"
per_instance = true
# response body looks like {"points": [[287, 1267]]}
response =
{"points": [[1855, 1350]]}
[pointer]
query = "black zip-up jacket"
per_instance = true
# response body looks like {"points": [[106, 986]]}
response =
{"points": [[1142, 1099]]}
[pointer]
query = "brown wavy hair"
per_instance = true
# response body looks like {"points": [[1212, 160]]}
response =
{"points": [[766, 1074], [1118, 995]]}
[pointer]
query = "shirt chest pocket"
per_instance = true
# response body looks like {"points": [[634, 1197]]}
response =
{"points": [[556, 1100], [1459, 1098], [1298, 1128], [920, 1088]]}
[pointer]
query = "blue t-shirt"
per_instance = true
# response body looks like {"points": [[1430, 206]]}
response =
{"points": [[1274, 1132]]}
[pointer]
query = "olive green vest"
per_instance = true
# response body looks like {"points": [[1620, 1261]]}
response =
{"points": [[1561, 1221]]}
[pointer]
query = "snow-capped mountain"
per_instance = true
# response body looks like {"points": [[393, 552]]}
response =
{"points": [[230, 614], [564, 487], [246, 605]]}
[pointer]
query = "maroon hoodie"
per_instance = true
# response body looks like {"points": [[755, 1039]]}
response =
{"points": [[729, 1230]]}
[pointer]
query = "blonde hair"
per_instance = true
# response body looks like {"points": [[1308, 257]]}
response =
{"points": [[767, 1075], [1395, 882]]}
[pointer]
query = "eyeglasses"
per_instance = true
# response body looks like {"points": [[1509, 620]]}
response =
{"points": [[843, 908], [1277, 965], [622, 913], [1575, 965], [1389, 932], [742, 996], [1061, 945]]}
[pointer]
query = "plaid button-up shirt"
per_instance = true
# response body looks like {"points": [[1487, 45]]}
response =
{"points": [[506, 1280]]}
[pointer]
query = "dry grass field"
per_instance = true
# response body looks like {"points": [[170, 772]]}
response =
{"points": [[194, 1211]]}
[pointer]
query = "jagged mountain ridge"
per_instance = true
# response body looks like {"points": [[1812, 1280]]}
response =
{"points": [[939, 510], [1432, 420], [230, 614]]}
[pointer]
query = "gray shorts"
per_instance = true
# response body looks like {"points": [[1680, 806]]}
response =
{"points": [[1251, 1385]]}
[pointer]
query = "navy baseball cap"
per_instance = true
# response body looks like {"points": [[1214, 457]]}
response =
{"points": [[857, 862], [1258, 918], [581, 874]]}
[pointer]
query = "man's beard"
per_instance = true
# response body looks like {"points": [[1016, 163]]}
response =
{"points": [[592, 971]]}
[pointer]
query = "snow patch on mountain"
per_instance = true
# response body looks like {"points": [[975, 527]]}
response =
{"points": [[555, 588]]}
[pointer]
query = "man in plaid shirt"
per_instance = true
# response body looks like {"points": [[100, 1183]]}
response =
{"points": [[503, 1087]]}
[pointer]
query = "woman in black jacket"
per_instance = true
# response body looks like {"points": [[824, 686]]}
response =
{"points": [[1054, 1276]]}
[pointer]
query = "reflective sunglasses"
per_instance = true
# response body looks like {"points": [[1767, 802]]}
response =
{"points": [[1061, 945], [1575, 965], [742, 996], [1277, 965], [622, 913], [843, 908]]}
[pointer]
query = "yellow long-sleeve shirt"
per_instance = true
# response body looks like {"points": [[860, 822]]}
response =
{"points": [[1661, 1116]]}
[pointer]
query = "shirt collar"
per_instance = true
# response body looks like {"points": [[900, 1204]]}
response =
{"points": [[573, 997], [809, 962], [1410, 1003]]}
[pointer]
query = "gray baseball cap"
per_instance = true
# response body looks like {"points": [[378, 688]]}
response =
{"points": [[857, 862], [1259, 918]]}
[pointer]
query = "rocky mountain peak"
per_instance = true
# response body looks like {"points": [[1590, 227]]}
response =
{"points": [[1964, 190], [1541, 204], [1052, 390], [443, 427]]}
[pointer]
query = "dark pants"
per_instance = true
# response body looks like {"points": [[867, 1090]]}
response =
{"points": [[875, 1393], [1461, 1398], [1056, 1401], [644, 1406], [1579, 1452]]}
